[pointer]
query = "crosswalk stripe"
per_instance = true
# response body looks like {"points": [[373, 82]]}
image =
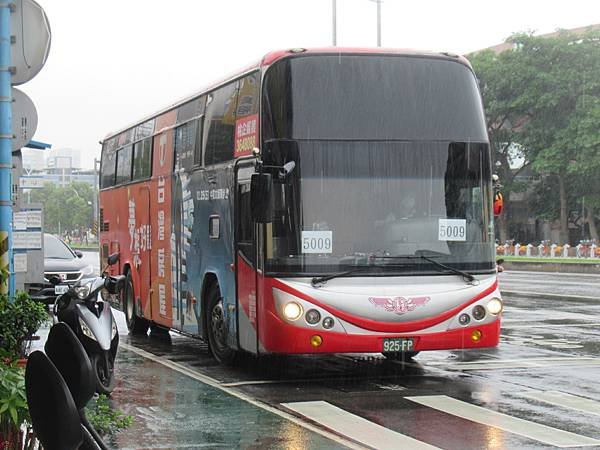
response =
{"points": [[563, 399], [531, 430], [355, 427]]}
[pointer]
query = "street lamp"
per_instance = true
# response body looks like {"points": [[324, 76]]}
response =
{"points": [[334, 21]]}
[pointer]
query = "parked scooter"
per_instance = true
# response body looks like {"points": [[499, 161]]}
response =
{"points": [[85, 308]]}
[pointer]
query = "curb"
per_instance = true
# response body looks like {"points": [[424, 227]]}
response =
{"points": [[580, 298]]}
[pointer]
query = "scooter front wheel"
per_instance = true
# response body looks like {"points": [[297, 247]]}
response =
{"points": [[104, 373]]}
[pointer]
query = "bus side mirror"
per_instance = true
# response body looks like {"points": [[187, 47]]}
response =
{"points": [[498, 204], [261, 197]]}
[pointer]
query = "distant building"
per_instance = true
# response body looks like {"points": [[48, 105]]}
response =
{"points": [[33, 159], [63, 158]]}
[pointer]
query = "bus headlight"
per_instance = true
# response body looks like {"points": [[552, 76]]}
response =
{"points": [[495, 306], [292, 311], [478, 312], [313, 316]]}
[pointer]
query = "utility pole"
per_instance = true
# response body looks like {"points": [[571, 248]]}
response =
{"points": [[378, 21], [6, 136], [334, 18]]}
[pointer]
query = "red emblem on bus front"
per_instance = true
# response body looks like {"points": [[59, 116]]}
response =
{"points": [[399, 305]]}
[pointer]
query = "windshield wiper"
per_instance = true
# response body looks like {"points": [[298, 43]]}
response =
{"points": [[316, 281], [469, 278]]}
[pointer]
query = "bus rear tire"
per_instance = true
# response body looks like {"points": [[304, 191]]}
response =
{"points": [[136, 325], [216, 327], [400, 356]]}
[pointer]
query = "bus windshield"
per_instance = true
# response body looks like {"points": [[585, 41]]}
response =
{"points": [[391, 158], [346, 202]]}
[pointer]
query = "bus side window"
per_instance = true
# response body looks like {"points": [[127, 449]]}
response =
{"points": [[107, 169], [185, 142], [124, 165], [198, 144], [247, 103], [142, 159], [220, 124]]}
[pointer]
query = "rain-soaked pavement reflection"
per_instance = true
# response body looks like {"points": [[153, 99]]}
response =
{"points": [[174, 411], [539, 389]]}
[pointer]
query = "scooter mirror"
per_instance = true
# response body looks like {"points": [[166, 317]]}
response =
{"points": [[113, 259], [54, 280]]}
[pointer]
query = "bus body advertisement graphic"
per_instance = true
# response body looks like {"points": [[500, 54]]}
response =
{"points": [[377, 168]]}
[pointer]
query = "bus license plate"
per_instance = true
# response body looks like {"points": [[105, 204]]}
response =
{"points": [[61, 289], [398, 345]]}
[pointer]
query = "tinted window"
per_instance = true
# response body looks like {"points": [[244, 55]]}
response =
{"points": [[107, 170], [198, 147], [124, 165], [220, 124], [55, 248], [185, 144], [247, 103], [142, 159], [372, 97]]}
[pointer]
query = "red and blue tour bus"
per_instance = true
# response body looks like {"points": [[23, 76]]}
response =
{"points": [[319, 201]]}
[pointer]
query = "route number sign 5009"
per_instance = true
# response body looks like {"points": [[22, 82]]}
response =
{"points": [[452, 230], [317, 241]]}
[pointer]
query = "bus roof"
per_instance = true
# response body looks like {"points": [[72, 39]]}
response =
{"points": [[277, 55]]}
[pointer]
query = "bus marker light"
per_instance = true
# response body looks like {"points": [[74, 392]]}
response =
{"points": [[292, 311], [494, 306], [476, 335], [316, 340]]}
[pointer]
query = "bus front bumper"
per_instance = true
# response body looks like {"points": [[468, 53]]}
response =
{"points": [[282, 337]]}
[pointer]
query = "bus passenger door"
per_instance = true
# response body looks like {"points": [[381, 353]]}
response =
{"points": [[245, 262]]}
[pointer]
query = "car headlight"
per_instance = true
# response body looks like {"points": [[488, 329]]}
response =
{"points": [[495, 306], [83, 291], [87, 331], [87, 270], [114, 329]]}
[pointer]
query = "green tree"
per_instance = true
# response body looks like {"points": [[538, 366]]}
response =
{"points": [[544, 96], [501, 79], [65, 208], [563, 102]]}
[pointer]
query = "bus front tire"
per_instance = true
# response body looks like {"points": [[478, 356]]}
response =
{"points": [[216, 327], [136, 325]]}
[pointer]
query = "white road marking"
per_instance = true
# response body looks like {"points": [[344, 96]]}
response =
{"points": [[509, 292], [566, 400], [215, 383], [551, 325], [528, 429], [355, 427], [516, 363], [527, 281], [538, 275]]}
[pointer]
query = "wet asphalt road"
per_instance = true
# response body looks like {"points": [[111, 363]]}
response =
{"points": [[539, 389]]}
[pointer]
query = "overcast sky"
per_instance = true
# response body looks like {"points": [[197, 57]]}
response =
{"points": [[113, 62]]}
